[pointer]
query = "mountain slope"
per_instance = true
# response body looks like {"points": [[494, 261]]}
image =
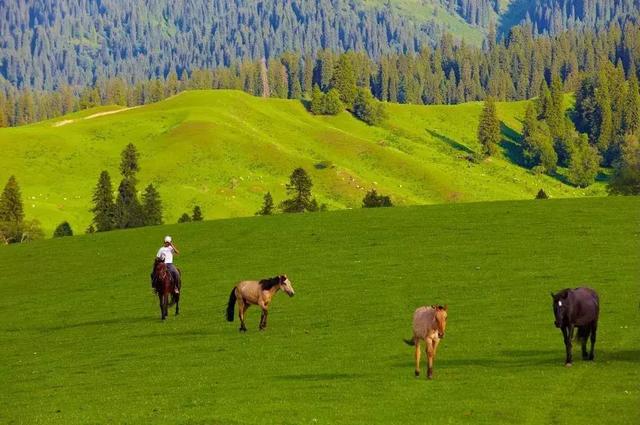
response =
{"points": [[223, 150]]}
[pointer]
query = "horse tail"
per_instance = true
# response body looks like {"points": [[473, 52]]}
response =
{"points": [[231, 305], [409, 342]]}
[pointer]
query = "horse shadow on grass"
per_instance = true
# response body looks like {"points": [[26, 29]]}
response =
{"points": [[319, 377], [90, 323]]}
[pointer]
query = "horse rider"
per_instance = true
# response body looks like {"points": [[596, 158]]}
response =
{"points": [[166, 253]]}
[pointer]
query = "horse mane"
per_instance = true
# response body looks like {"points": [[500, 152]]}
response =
{"points": [[270, 283], [562, 294]]}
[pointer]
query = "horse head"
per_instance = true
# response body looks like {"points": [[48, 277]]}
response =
{"points": [[560, 305], [285, 285], [441, 319]]}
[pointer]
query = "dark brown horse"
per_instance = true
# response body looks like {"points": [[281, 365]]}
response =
{"points": [[165, 288], [577, 308]]}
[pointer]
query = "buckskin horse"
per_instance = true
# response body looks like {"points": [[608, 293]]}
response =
{"points": [[258, 293], [429, 324], [165, 287], [579, 308]]}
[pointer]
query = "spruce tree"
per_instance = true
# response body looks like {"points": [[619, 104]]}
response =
{"points": [[197, 214], [63, 229], [129, 162], [11, 207], [631, 116], [317, 106], [584, 163], [626, 177], [489, 134], [267, 205], [344, 80], [103, 206], [366, 108], [151, 206], [605, 130], [332, 103], [299, 187], [128, 211]]}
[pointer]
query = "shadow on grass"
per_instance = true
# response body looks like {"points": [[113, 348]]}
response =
{"points": [[510, 144], [449, 141], [105, 322], [318, 377]]}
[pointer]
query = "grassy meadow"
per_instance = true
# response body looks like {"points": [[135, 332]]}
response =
{"points": [[223, 150], [83, 343]]}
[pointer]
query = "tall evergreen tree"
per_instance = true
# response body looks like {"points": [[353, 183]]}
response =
{"points": [[128, 212], [317, 105], [631, 116], [103, 205], [129, 162], [197, 214], [489, 133], [603, 99], [267, 205], [584, 162], [344, 80], [151, 206], [299, 188], [11, 207]]}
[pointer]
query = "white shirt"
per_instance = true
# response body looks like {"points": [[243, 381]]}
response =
{"points": [[166, 252]]}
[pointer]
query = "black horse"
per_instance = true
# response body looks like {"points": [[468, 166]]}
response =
{"points": [[579, 308]]}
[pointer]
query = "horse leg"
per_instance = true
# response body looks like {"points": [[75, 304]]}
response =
{"points": [[568, 336], [416, 343], [176, 298], [593, 340], [583, 340], [430, 356], [161, 308], [242, 308], [263, 319]]}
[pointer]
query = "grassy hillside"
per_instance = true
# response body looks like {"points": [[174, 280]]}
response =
{"points": [[83, 343], [224, 149]]}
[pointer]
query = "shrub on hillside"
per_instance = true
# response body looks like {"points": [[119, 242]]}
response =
{"points": [[184, 218], [368, 109], [197, 214], [542, 195], [373, 200], [63, 229], [267, 205]]}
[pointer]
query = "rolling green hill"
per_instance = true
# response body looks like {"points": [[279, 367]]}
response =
{"points": [[224, 149], [82, 341]]}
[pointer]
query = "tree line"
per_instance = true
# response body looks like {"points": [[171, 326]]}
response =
{"points": [[449, 73]]}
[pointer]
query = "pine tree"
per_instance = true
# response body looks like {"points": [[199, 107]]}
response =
{"points": [[128, 211], [603, 99], [626, 178], [11, 207], [151, 206], [103, 205], [129, 162], [63, 229], [332, 103], [489, 134], [267, 205], [197, 214], [366, 108], [584, 163], [299, 187], [344, 80], [631, 116], [317, 106]]}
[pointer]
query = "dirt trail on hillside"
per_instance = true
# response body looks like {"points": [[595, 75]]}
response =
{"points": [[92, 116]]}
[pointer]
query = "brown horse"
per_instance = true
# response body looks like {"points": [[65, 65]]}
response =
{"points": [[429, 324], [259, 293], [165, 287]]}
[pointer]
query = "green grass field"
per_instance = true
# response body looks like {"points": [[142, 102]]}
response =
{"points": [[82, 341], [223, 150]]}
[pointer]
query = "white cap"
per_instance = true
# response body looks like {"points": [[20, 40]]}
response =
{"points": [[167, 238]]}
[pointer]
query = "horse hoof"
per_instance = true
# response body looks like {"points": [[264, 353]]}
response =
{"points": [[429, 377], [417, 373], [568, 364]]}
